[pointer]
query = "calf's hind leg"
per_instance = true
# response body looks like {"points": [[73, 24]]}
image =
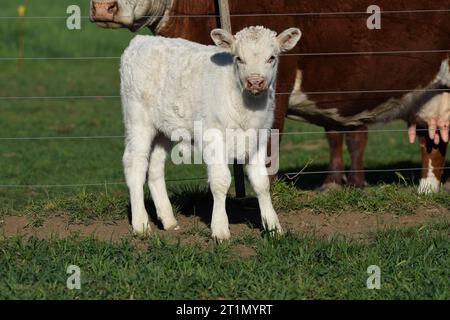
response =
{"points": [[135, 161], [157, 183]]}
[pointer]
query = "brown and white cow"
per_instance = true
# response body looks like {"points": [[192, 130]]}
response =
{"points": [[338, 91]]}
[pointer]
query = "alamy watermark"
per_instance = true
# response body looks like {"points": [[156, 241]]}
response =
{"points": [[374, 21], [215, 146], [374, 280], [74, 280], [73, 22]]}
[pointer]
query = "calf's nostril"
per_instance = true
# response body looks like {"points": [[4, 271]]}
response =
{"points": [[261, 84], [113, 8]]}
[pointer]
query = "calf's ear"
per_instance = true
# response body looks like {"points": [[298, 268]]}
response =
{"points": [[222, 38], [289, 38]]}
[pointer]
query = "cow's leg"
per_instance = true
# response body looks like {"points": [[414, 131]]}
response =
{"points": [[257, 174], [219, 180], [356, 144], [157, 183], [447, 186], [433, 161], [135, 161], [336, 175]]}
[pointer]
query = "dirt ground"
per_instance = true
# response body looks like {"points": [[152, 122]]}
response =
{"points": [[195, 230]]}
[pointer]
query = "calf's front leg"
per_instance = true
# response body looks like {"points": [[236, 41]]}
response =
{"points": [[259, 179], [219, 180]]}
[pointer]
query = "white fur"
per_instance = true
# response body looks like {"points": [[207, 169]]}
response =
{"points": [[430, 184], [167, 85]]}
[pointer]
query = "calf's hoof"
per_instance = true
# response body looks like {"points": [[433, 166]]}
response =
{"points": [[170, 225], [275, 231], [142, 229], [273, 228], [221, 235]]}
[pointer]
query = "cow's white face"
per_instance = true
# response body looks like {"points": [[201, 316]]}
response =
{"points": [[125, 13], [256, 53]]}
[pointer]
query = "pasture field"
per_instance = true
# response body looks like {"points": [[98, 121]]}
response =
{"points": [[63, 201]]}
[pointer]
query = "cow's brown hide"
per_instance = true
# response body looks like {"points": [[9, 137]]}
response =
{"points": [[336, 33]]}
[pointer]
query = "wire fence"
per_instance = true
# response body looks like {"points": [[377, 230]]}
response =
{"points": [[94, 97], [308, 54], [288, 175], [304, 133], [244, 15]]}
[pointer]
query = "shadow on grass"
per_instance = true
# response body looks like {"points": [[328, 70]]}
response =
{"points": [[195, 200], [192, 200], [384, 174]]}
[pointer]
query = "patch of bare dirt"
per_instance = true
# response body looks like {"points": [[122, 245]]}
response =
{"points": [[356, 224], [60, 227], [244, 251], [195, 231]]}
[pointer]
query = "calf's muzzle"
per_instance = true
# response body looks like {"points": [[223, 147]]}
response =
{"points": [[256, 84]]}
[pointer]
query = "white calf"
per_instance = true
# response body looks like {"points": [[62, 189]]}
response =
{"points": [[167, 85]]}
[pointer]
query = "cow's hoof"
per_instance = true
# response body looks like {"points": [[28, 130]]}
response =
{"points": [[429, 185], [338, 178], [447, 186], [330, 186], [358, 184]]}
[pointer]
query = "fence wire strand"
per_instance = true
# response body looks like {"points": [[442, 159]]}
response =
{"points": [[349, 53], [289, 133], [123, 183], [288, 14], [93, 97]]}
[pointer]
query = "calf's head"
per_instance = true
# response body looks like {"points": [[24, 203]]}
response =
{"points": [[256, 52], [130, 14]]}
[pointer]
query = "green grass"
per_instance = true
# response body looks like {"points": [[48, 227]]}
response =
{"points": [[386, 198], [413, 261], [414, 265], [85, 207]]}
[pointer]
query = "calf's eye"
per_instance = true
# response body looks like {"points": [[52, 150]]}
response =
{"points": [[239, 60], [271, 59]]}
